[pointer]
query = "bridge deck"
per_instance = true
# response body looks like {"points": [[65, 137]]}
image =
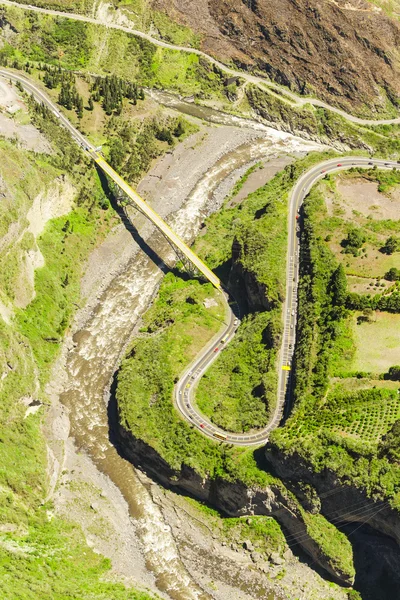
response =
{"points": [[157, 220]]}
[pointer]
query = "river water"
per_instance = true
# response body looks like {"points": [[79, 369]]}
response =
{"points": [[100, 344]]}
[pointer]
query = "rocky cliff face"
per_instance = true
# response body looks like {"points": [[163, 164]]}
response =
{"points": [[340, 500], [233, 498], [346, 52], [376, 557]]}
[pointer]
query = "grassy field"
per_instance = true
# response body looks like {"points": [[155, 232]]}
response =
{"points": [[350, 203], [377, 343]]}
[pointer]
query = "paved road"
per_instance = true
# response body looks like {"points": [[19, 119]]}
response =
{"points": [[41, 97], [256, 80], [185, 388]]}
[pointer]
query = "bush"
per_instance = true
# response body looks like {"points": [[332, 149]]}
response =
{"points": [[391, 245], [393, 274]]}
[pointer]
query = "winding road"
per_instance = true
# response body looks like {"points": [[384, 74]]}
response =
{"points": [[185, 388], [255, 79]]}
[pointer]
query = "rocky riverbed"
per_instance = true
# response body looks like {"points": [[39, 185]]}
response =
{"points": [[92, 484]]}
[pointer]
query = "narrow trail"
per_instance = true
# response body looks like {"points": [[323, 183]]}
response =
{"points": [[256, 80]]}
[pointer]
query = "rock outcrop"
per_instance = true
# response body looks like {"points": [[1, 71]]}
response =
{"points": [[233, 498], [341, 500]]}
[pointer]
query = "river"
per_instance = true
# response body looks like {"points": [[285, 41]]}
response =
{"points": [[99, 344]]}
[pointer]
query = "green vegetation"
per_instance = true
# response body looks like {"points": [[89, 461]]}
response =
{"points": [[392, 245], [180, 326], [257, 221], [47, 558], [171, 333], [133, 146], [63, 244], [322, 123], [141, 15], [239, 184], [41, 555], [129, 140], [354, 241], [91, 48], [334, 424], [263, 532], [74, 6], [332, 542], [378, 356], [239, 393]]}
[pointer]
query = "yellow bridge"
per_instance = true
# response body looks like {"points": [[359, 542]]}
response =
{"points": [[157, 220]]}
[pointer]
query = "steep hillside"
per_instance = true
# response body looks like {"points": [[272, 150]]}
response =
{"points": [[49, 224], [344, 52], [347, 55]]}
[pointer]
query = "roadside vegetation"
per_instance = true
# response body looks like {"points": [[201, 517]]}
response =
{"points": [[239, 393], [323, 124], [142, 17], [170, 338], [177, 327], [259, 222], [113, 112], [346, 411]]}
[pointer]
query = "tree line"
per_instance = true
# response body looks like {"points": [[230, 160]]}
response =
{"points": [[111, 91]]}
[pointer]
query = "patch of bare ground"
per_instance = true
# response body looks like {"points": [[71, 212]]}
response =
{"points": [[268, 169], [358, 194], [12, 110], [356, 201], [367, 285], [303, 45], [52, 203]]}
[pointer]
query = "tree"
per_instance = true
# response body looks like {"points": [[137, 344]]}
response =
{"points": [[394, 373], [90, 103], [393, 274], [117, 153], [79, 106], [164, 135], [391, 245], [179, 129], [339, 286], [355, 239], [367, 313]]}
